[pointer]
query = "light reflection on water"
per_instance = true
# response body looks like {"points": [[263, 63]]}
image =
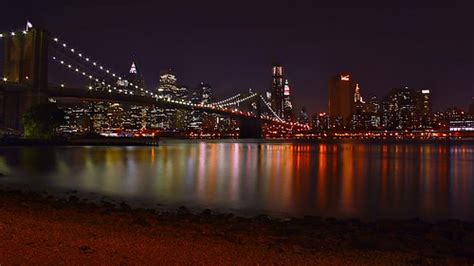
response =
{"points": [[341, 179]]}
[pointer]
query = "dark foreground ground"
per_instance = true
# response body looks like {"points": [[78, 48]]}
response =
{"points": [[38, 230]]}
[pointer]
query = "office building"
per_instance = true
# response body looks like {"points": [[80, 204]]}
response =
{"points": [[407, 109], [287, 106], [278, 90], [164, 118], [342, 96]]}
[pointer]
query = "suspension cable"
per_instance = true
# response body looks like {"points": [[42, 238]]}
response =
{"points": [[226, 100]]}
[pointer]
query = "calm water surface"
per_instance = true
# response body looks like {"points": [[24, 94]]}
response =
{"points": [[368, 180]]}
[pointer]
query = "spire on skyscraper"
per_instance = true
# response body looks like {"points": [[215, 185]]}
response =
{"points": [[133, 68], [286, 91], [357, 95]]}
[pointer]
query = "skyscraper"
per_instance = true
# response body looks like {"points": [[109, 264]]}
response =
{"points": [[137, 114], [342, 96], [357, 95], [424, 101], [206, 93], [167, 89], [407, 109], [278, 90], [202, 94], [182, 116], [303, 118], [287, 106], [135, 80]]}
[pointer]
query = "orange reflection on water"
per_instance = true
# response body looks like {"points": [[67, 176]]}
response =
{"points": [[347, 180], [321, 195], [339, 178]]}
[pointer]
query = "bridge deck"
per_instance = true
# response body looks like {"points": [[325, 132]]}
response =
{"points": [[78, 94]]}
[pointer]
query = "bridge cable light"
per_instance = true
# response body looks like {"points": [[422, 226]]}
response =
{"points": [[81, 55], [92, 77], [108, 71]]}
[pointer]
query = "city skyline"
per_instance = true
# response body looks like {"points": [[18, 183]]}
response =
{"points": [[28, 53], [236, 132], [415, 47]]}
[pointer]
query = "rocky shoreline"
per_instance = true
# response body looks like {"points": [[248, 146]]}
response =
{"points": [[50, 230]]}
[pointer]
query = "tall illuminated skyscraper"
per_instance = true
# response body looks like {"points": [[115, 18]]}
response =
{"points": [[137, 115], [407, 108], [133, 82], [167, 89], [287, 106], [342, 94], [424, 101], [202, 94], [278, 90]]}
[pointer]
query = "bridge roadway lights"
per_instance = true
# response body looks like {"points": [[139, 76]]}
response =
{"points": [[250, 128]]}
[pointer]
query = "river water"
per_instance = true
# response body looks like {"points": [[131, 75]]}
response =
{"points": [[342, 179]]}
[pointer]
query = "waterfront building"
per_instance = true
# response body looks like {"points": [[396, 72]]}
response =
{"points": [[443, 119], [337, 123], [206, 93], [462, 125], [164, 118], [278, 90], [202, 94], [342, 96], [195, 120], [320, 122], [367, 115], [137, 117], [407, 109], [423, 99], [135, 81], [182, 93], [303, 118], [287, 106], [76, 119], [115, 114], [182, 117], [454, 114]]}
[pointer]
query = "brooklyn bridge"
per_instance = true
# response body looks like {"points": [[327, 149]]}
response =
{"points": [[25, 83]]}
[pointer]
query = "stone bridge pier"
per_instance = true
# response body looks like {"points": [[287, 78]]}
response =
{"points": [[25, 75]]}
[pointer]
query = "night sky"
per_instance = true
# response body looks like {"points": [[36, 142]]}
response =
{"points": [[232, 44]]}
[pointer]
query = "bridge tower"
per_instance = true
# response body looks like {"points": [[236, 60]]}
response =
{"points": [[25, 75], [252, 127]]}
